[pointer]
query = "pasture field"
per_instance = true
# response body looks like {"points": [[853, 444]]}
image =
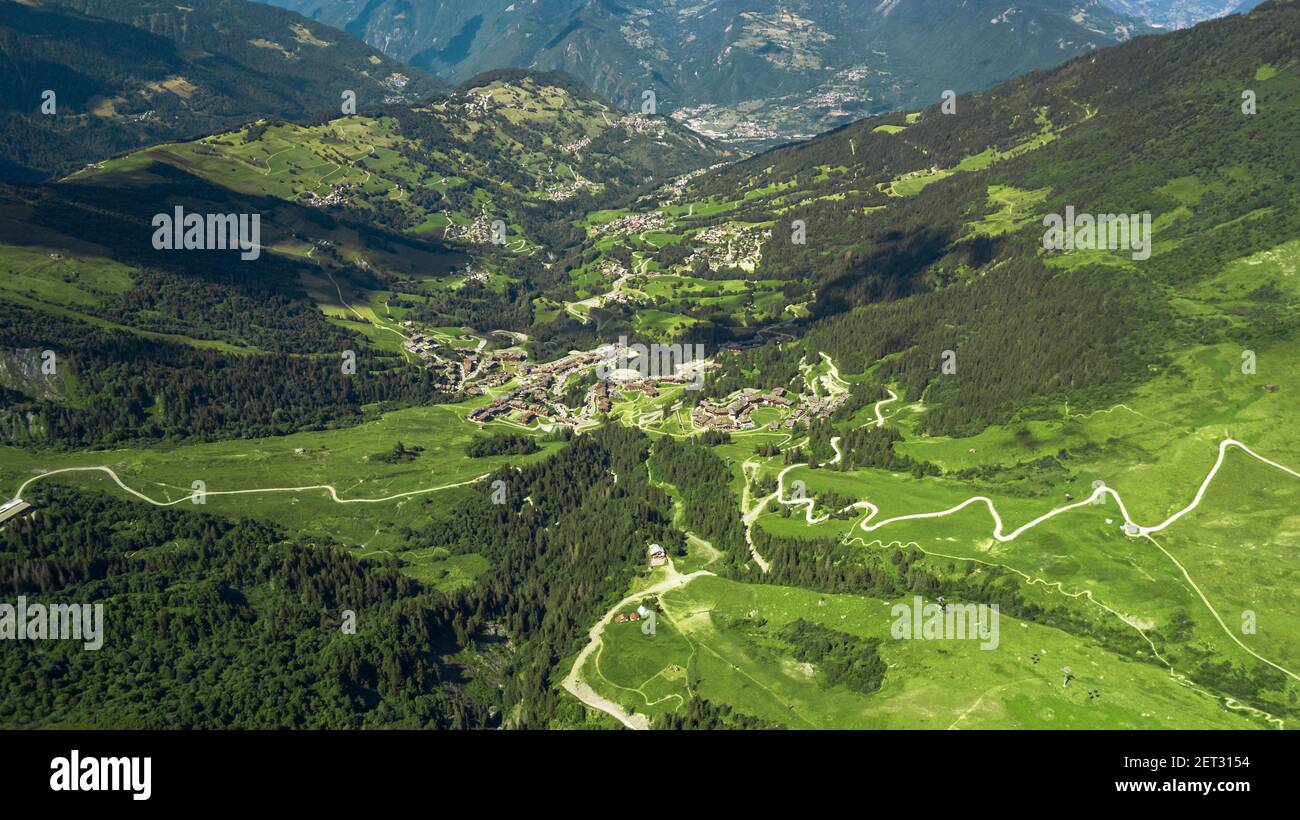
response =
{"points": [[1238, 552], [717, 639], [75, 285], [346, 459]]}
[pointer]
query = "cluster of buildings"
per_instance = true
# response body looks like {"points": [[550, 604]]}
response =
{"points": [[751, 130], [634, 224], [845, 96], [813, 407], [700, 119], [731, 246], [337, 196], [539, 391], [474, 103], [724, 124], [575, 147], [525, 404], [567, 189], [452, 373], [602, 392], [479, 231], [458, 367], [735, 414], [713, 236], [672, 192], [620, 297], [612, 267], [640, 124], [541, 387], [553, 375], [396, 81]]}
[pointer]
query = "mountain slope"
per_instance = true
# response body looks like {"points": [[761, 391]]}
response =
{"points": [[127, 75], [526, 148], [925, 232], [401, 201], [755, 72]]}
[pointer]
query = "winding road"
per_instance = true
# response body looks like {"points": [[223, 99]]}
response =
{"points": [[1097, 494], [573, 682], [334, 496]]}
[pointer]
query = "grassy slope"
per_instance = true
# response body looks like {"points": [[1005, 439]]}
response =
{"points": [[709, 643]]}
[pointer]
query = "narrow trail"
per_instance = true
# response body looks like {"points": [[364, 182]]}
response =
{"points": [[358, 313], [573, 682], [752, 510], [1099, 493], [1086, 595], [406, 354], [832, 381], [1187, 576], [598, 300], [1110, 410], [268, 172], [980, 700], [1132, 529], [748, 520], [751, 514], [333, 494], [866, 525], [893, 397]]}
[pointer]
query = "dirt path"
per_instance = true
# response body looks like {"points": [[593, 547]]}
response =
{"points": [[573, 682], [329, 488]]}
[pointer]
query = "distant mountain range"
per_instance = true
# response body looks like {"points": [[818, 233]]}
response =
{"points": [[748, 71], [397, 194], [1178, 13], [126, 75]]}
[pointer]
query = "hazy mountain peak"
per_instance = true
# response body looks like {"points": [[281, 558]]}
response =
{"points": [[1174, 13], [754, 72]]}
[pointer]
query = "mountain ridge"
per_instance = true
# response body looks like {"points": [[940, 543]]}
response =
{"points": [[755, 73], [191, 70]]}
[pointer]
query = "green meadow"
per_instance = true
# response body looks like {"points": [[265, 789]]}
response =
{"points": [[346, 459], [717, 639]]}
